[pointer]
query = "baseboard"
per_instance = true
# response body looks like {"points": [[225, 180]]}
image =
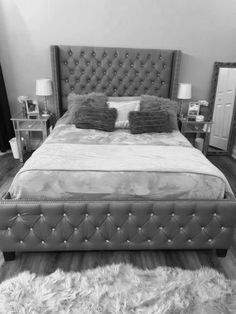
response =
{"points": [[6, 152]]}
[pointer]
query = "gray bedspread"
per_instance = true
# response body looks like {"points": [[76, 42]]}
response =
{"points": [[79, 164]]}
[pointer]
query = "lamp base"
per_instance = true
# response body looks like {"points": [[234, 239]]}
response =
{"points": [[181, 114], [45, 112]]}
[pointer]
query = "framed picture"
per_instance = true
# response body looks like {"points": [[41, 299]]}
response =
{"points": [[193, 109], [32, 107]]}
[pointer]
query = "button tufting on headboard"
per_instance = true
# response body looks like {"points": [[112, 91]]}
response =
{"points": [[114, 71]]}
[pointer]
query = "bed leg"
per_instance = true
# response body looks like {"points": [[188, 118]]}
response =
{"points": [[9, 256], [221, 252]]}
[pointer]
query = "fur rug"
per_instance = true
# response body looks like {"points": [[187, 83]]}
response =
{"points": [[120, 289]]}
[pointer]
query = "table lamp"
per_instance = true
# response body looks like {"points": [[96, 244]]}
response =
{"points": [[44, 88], [184, 92]]}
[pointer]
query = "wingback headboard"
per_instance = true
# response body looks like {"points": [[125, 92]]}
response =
{"points": [[113, 71]]}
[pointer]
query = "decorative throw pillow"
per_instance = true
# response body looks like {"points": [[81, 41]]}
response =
{"points": [[92, 100], [123, 109], [149, 122], [153, 103], [149, 102], [124, 98], [102, 119], [173, 121]]}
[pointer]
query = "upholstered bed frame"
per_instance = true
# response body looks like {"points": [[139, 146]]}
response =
{"points": [[27, 225], [113, 71]]}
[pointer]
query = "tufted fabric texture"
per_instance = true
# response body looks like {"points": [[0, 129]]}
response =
{"points": [[116, 225], [113, 71]]}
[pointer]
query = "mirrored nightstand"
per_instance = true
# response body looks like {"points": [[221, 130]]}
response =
{"points": [[198, 129], [22, 123]]}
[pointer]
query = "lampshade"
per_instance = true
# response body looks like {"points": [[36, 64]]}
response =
{"points": [[43, 87], [184, 91]]}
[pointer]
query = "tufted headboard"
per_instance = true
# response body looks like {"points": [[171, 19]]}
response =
{"points": [[113, 71]]}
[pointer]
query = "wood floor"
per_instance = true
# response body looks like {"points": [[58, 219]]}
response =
{"points": [[45, 263]]}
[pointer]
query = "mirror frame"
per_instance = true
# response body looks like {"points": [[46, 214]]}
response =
{"points": [[232, 134]]}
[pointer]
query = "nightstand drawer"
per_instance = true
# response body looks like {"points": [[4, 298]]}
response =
{"points": [[195, 127], [31, 125]]}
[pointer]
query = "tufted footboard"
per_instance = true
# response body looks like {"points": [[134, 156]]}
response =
{"points": [[116, 225]]}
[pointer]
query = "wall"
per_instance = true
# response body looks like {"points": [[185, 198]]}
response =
{"points": [[203, 29]]}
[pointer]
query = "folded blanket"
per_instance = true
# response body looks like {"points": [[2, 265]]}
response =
{"points": [[133, 169]]}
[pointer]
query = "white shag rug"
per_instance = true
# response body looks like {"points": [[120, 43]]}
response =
{"points": [[120, 289]]}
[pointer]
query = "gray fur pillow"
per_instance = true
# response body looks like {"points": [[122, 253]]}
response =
{"points": [[102, 119], [149, 122], [149, 102], [92, 100], [153, 103]]}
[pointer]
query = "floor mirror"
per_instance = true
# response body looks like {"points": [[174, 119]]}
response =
{"points": [[222, 108]]}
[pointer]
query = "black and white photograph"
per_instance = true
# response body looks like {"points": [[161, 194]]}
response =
{"points": [[118, 169], [32, 107]]}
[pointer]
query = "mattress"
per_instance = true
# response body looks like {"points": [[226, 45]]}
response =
{"points": [[89, 164]]}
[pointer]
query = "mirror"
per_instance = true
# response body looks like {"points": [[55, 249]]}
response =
{"points": [[222, 108]]}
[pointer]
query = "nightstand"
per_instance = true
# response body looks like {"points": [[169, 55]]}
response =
{"points": [[22, 123], [202, 129]]}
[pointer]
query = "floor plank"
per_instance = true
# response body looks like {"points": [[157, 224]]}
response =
{"points": [[46, 263]]}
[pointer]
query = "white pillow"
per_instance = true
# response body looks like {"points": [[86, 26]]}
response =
{"points": [[124, 98], [123, 108]]}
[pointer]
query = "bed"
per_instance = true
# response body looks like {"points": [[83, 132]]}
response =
{"points": [[102, 220]]}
